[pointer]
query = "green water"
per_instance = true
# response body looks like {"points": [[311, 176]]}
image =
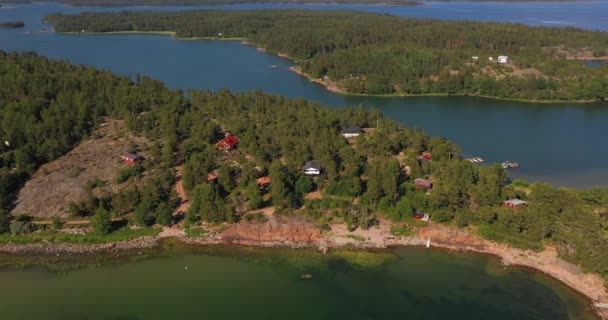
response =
{"points": [[233, 283]]}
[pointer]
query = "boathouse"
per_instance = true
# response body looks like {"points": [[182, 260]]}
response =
{"points": [[131, 158], [228, 143], [515, 203], [312, 168]]}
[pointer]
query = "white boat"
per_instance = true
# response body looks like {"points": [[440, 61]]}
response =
{"points": [[428, 242]]}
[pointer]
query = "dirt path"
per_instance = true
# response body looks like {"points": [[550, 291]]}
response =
{"points": [[179, 188]]}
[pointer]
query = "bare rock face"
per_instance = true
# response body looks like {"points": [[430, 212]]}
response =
{"points": [[271, 232]]}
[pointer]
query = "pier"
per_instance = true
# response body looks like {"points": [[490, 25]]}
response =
{"points": [[474, 160]]}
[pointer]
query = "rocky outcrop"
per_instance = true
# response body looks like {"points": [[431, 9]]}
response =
{"points": [[275, 231]]}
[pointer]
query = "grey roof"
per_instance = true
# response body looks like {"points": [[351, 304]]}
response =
{"points": [[312, 164], [351, 130]]}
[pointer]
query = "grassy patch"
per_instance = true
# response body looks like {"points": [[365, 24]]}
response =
{"points": [[401, 231], [123, 234], [487, 232], [356, 237], [196, 232]]}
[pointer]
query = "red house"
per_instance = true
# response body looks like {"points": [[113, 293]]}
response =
{"points": [[131, 158], [427, 156], [228, 143], [514, 203], [422, 184]]}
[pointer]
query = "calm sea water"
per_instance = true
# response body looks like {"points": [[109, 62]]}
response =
{"points": [[562, 144], [407, 283]]}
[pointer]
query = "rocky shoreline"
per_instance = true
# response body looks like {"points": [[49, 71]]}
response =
{"points": [[288, 233]]}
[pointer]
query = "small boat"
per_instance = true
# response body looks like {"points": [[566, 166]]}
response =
{"points": [[273, 66], [509, 164], [428, 242], [306, 276]]}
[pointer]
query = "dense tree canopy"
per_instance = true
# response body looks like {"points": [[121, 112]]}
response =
{"points": [[368, 53], [47, 107]]}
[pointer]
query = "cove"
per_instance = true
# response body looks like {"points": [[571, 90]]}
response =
{"points": [[562, 144], [257, 283]]}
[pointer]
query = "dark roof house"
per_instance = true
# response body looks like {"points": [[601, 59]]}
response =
{"points": [[131, 157], [351, 132], [312, 167]]}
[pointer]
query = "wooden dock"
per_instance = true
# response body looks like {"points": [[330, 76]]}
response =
{"points": [[602, 305], [474, 160]]}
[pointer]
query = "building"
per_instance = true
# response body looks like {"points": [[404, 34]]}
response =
{"points": [[351, 132], [263, 182], [228, 143], [503, 59], [211, 177], [422, 216], [427, 155], [491, 58], [514, 203], [422, 184], [312, 168], [475, 58], [131, 158]]}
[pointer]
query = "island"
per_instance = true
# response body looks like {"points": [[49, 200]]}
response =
{"points": [[377, 54], [12, 25], [91, 161]]}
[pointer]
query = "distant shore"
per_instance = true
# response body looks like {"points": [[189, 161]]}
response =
{"points": [[328, 83], [282, 232]]}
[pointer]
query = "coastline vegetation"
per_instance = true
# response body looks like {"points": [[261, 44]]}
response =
{"points": [[12, 25], [379, 54], [47, 107]]}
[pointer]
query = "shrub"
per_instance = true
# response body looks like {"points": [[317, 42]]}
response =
{"points": [[401, 231]]}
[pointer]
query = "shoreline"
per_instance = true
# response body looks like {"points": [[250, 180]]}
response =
{"points": [[332, 87], [251, 235]]}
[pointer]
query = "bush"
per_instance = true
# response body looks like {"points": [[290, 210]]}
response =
{"points": [[21, 227], [127, 173]]}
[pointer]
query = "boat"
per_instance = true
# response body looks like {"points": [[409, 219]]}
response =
{"points": [[428, 242], [306, 276], [508, 164]]}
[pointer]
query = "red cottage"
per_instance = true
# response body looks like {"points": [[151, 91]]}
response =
{"points": [[131, 158], [228, 143], [422, 184]]}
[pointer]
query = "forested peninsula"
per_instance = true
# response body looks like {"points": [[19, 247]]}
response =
{"points": [[134, 3], [366, 53], [206, 161]]}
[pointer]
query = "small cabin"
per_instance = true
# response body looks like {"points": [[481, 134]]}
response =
{"points": [[422, 216], [514, 203], [491, 58], [312, 168], [263, 182], [427, 156], [503, 59], [131, 158], [475, 58], [211, 177], [351, 132], [422, 184], [228, 143]]}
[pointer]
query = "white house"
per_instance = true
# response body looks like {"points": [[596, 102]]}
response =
{"points": [[312, 168], [475, 58], [351, 132], [503, 59], [491, 58]]}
